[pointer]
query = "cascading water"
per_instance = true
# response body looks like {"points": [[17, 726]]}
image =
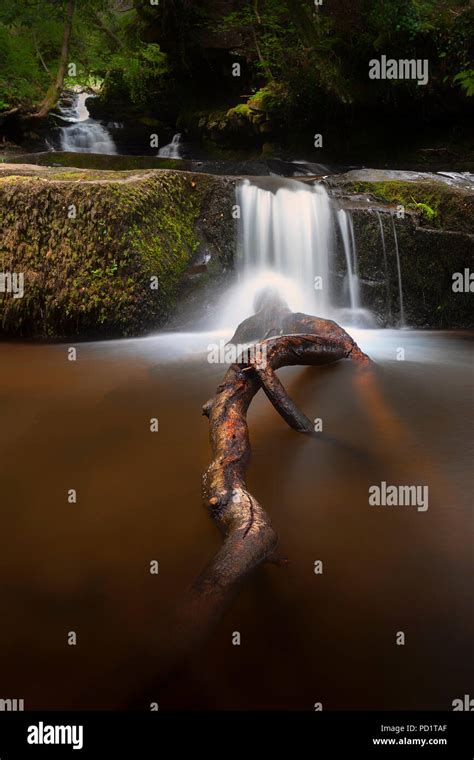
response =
{"points": [[82, 134], [385, 260], [173, 149], [287, 239], [348, 240], [399, 271]]}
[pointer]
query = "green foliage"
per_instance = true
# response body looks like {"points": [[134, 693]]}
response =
{"points": [[102, 41], [20, 74], [291, 46], [30, 39], [268, 98], [139, 69], [399, 23], [300, 59], [466, 80], [317, 56], [440, 30], [286, 39]]}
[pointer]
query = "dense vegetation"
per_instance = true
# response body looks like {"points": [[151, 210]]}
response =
{"points": [[302, 65], [105, 39]]}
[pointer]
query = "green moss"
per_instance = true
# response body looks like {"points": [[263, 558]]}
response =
{"points": [[91, 274], [439, 204], [96, 161], [269, 98], [244, 120], [428, 212], [148, 121], [241, 110]]}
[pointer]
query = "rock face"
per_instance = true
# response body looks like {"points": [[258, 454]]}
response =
{"points": [[428, 260], [113, 253], [431, 222], [106, 253]]}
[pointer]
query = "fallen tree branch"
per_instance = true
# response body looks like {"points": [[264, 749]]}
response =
{"points": [[284, 405], [249, 536], [273, 317]]}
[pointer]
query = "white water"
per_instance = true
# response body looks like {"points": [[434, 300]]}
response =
{"points": [[348, 240], [284, 237], [385, 261], [83, 135], [287, 239], [399, 271], [173, 149], [422, 347]]}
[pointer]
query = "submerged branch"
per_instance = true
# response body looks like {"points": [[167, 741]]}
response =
{"points": [[249, 538]]}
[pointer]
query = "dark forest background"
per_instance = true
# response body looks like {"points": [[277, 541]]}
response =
{"points": [[303, 68]]}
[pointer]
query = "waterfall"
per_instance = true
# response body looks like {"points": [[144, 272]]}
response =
{"points": [[287, 239], [385, 261], [82, 134], [399, 271], [287, 233], [346, 227], [173, 149]]}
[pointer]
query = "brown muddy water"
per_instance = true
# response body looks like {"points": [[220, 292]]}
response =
{"points": [[305, 637]]}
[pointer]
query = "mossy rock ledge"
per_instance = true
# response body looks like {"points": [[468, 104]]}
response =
{"points": [[434, 242], [107, 253]]}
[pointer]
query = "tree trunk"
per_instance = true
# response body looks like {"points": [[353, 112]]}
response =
{"points": [[55, 90]]}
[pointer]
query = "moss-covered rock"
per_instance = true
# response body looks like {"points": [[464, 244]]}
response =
{"points": [[427, 258], [102, 161], [93, 246], [414, 230], [439, 204], [244, 124]]}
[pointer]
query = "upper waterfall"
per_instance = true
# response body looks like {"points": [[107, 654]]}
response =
{"points": [[83, 134], [173, 149]]}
